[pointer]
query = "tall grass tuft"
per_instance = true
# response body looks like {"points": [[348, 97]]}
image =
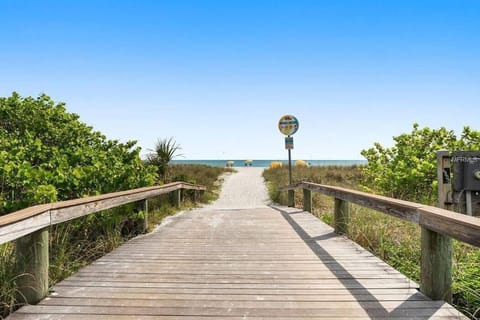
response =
{"points": [[210, 177], [8, 276]]}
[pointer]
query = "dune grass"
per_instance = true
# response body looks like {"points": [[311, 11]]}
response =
{"points": [[395, 241]]}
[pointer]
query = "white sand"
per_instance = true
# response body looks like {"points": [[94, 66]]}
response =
{"points": [[244, 189]]}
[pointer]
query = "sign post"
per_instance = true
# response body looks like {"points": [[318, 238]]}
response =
{"points": [[288, 125]]}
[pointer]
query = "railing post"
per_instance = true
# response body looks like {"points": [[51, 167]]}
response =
{"points": [[436, 266], [341, 216], [307, 200], [145, 215], [177, 198], [436, 257], [291, 198], [32, 266]]}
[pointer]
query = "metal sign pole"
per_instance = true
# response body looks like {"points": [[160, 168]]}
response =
{"points": [[289, 166], [288, 125]]}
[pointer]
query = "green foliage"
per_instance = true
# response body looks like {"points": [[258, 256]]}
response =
{"points": [[165, 151], [47, 154], [408, 170]]}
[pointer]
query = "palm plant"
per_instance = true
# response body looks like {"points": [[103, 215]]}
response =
{"points": [[165, 151]]}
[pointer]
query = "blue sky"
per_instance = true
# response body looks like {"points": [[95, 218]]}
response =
{"points": [[217, 75]]}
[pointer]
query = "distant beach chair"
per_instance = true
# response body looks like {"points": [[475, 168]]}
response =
{"points": [[230, 164], [275, 164], [301, 163], [248, 163]]}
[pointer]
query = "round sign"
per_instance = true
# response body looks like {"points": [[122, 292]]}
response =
{"points": [[288, 125]]}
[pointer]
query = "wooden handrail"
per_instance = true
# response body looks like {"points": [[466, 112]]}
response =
{"points": [[30, 228], [438, 226], [26, 221], [458, 226]]}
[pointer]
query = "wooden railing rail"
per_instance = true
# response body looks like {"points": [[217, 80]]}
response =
{"points": [[438, 226], [29, 227]]}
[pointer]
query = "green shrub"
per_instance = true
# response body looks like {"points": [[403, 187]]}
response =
{"points": [[408, 170], [47, 154]]}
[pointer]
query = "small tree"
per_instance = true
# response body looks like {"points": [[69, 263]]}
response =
{"points": [[165, 151], [408, 169]]}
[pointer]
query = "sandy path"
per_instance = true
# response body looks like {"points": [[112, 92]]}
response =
{"points": [[244, 189]]}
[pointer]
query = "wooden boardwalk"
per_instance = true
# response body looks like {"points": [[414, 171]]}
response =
{"points": [[265, 263]]}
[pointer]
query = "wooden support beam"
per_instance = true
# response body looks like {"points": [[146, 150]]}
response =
{"points": [[145, 215], [341, 216], [436, 266], [32, 266], [177, 198], [291, 198], [307, 200]]}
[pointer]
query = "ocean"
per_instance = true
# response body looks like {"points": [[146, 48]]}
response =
{"points": [[266, 163]]}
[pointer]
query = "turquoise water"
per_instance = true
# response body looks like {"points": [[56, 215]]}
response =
{"points": [[266, 163]]}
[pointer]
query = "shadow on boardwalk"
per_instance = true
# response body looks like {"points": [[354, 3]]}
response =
{"points": [[362, 295]]}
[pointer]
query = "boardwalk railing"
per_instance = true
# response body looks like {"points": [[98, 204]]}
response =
{"points": [[29, 227], [438, 227]]}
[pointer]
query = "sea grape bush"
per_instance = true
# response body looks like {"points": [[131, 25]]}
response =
{"points": [[408, 169], [47, 154]]}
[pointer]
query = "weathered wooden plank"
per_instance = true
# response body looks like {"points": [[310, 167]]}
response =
{"points": [[229, 317], [160, 273], [121, 294], [327, 283], [23, 214], [61, 290], [247, 304], [458, 226], [330, 312], [449, 223], [240, 273], [398, 208], [70, 210], [23, 222], [26, 226]]}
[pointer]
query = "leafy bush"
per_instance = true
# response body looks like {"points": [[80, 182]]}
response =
{"points": [[408, 170], [47, 154]]}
